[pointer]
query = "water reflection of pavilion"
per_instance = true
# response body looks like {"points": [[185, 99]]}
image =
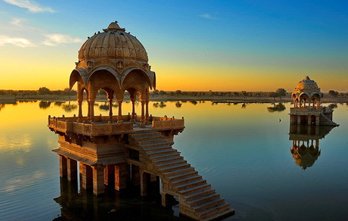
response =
{"points": [[78, 204], [305, 143]]}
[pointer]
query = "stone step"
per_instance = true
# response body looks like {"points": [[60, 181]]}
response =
{"points": [[176, 172], [184, 175], [159, 152], [215, 212], [170, 162], [149, 148], [203, 199], [208, 205], [173, 157], [164, 156], [190, 191], [191, 184], [175, 167], [154, 144], [184, 179], [146, 136], [199, 194]]}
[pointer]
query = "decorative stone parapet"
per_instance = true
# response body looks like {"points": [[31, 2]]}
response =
{"points": [[168, 123]]}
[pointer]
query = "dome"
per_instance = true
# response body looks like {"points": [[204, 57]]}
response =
{"points": [[113, 52], [110, 45], [307, 86]]}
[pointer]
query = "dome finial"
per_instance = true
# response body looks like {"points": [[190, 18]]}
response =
{"points": [[307, 77], [113, 26]]}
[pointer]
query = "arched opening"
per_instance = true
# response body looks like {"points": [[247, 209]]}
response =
{"points": [[103, 79], [316, 100], [304, 98], [137, 83]]}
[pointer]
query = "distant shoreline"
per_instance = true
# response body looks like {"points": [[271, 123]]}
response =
{"points": [[172, 97]]}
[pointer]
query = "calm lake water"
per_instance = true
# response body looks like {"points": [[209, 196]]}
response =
{"points": [[244, 152]]}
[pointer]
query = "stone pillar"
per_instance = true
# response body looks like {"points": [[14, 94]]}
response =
{"points": [[88, 109], [164, 199], [98, 180], [80, 109], [62, 166], [72, 169], [79, 99], [309, 119], [110, 108], [144, 180], [85, 176], [119, 118], [317, 120], [121, 176], [298, 119], [109, 175], [142, 110], [132, 98], [91, 111], [147, 111]]}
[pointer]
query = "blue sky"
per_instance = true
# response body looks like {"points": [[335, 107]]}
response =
{"points": [[212, 43]]}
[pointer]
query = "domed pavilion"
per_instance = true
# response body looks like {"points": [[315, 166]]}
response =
{"points": [[307, 93], [127, 150], [307, 109], [115, 61]]}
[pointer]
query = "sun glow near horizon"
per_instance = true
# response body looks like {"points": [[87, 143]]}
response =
{"points": [[243, 46]]}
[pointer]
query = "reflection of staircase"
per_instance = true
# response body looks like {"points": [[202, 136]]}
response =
{"points": [[196, 198], [327, 121]]}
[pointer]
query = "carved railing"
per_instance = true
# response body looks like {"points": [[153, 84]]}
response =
{"points": [[104, 125], [305, 110], [163, 123], [100, 127]]}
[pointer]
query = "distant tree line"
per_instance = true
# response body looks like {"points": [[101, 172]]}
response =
{"points": [[281, 92], [40, 91]]}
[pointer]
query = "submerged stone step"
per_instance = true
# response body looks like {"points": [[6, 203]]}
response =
{"points": [[199, 194], [203, 199], [210, 204], [215, 212]]}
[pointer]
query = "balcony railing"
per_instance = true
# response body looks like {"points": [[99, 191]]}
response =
{"points": [[104, 126]]}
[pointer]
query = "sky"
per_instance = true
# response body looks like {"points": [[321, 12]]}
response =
{"points": [[192, 45]]}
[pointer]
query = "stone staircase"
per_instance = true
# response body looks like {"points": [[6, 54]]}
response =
{"points": [[197, 199]]}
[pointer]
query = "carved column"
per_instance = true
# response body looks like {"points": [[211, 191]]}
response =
{"points": [[142, 110], [62, 166], [298, 119], [147, 111], [132, 98], [85, 176], [121, 176], [98, 180], [144, 180], [110, 108], [317, 120], [72, 170], [119, 118]]}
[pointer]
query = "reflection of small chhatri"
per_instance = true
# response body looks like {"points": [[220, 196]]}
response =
{"points": [[307, 109], [305, 143], [127, 149]]}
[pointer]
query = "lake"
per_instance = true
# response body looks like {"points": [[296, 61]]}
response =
{"points": [[243, 151]]}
